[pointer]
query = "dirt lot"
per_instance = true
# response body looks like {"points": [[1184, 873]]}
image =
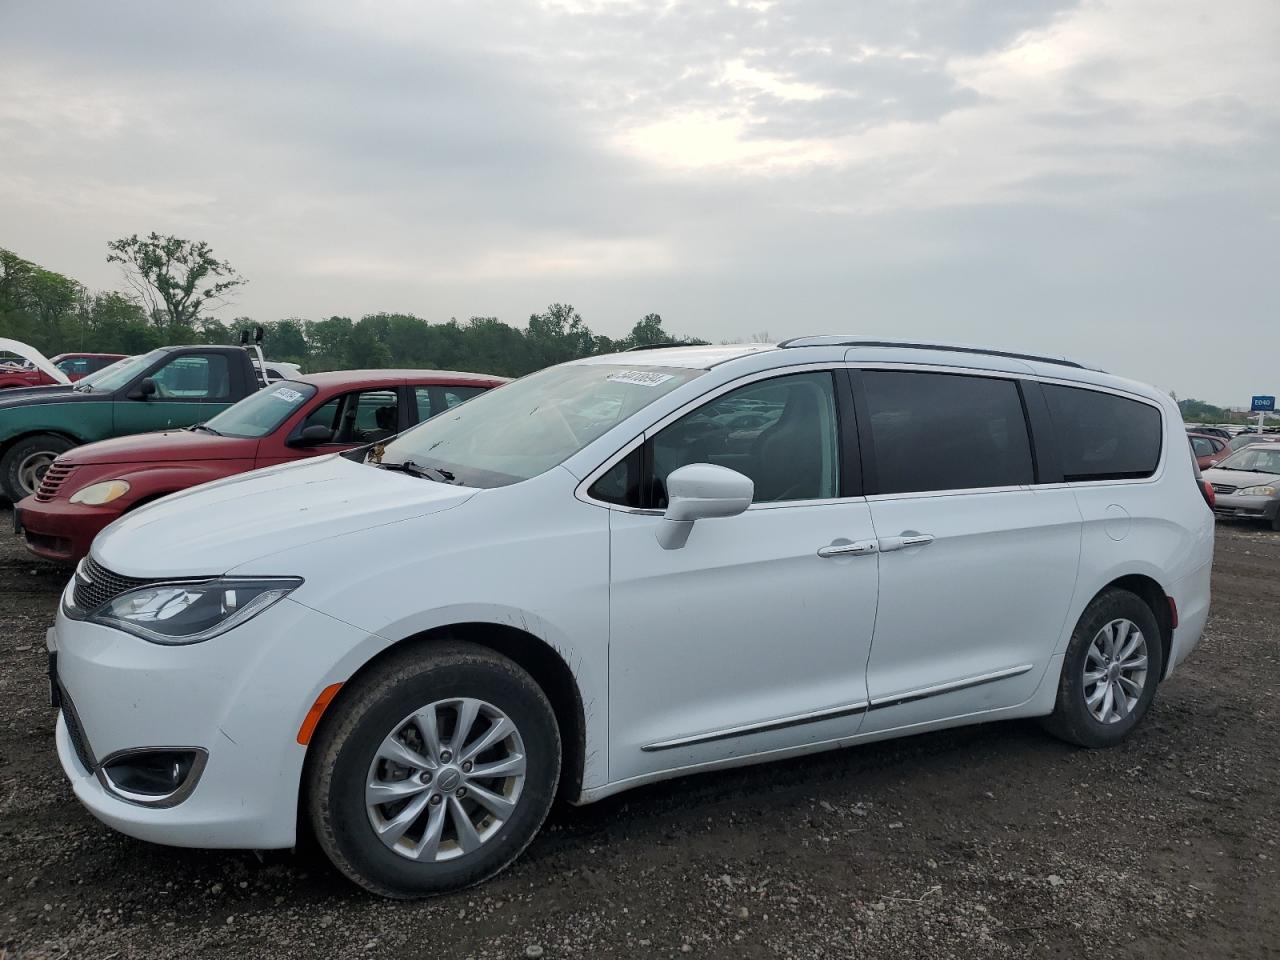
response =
{"points": [[990, 841]]}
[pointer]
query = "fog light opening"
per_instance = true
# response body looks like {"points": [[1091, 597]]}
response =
{"points": [[153, 776]]}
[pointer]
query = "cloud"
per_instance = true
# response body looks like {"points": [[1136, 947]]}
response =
{"points": [[1088, 177]]}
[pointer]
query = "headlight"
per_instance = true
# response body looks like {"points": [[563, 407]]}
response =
{"points": [[179, 613], [1257, 492], [97, 494]]}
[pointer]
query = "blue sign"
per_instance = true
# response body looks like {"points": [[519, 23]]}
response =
{"points": [[1263, 405]]}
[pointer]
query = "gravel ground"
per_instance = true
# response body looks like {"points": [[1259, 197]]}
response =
{"points": [[992, 841]]}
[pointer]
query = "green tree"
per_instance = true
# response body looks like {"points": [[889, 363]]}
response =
{"points": [[176, 279]]}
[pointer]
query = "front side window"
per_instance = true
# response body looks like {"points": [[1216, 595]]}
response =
{"points": [[1201, 446], [261, 413], [200, 377], [942, 431], [1102, 436], [368, 416], [782, 433], [529, 426]]}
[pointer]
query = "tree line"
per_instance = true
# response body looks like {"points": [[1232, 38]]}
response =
{"points": [[175, 284]]}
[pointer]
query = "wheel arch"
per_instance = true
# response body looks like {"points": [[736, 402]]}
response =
{"points": [[1149, 590], [547, 667], [9, 442]]}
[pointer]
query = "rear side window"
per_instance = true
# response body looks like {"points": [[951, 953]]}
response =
{"points": [[941, 431], [1102, 436]]}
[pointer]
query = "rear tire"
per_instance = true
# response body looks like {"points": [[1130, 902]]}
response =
{"points": [[1110, 673], [24, 463], [417, 842]]}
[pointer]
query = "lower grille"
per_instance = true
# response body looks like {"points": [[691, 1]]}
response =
{"points": [[79, 742], [95, 585]]}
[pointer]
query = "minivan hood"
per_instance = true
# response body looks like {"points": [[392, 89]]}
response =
{"points": [[1241, 478], [209, 529], [184, 445]]}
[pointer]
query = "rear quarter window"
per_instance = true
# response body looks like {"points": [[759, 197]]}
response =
{"points": [[1102, 436]]}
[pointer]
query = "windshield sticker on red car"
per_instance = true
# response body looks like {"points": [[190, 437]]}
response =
{"points": [[640, 378], [287, 395]]}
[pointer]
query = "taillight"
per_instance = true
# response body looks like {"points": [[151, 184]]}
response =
{"points": [[1210, 497]]}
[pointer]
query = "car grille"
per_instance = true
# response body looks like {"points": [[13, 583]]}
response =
{"points": [[53, 478], [78, 740], [95, 585], [1223, 488]]}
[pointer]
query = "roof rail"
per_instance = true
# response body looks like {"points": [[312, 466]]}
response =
{"points": [[836, 341], [660, 346]]}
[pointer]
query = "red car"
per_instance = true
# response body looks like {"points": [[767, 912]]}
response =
{"points": [[1208, 450], [74, 365], [89, 486]]}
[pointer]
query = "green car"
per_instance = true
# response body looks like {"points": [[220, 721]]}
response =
{"points": [[166, 388]]}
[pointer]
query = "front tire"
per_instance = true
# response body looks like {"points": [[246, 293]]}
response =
{"points": [[433, 771], [24, 464], [1110, 673]]}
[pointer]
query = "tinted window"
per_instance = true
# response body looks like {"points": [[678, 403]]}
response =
{"points": [[938, 431], [781, 433], [1102, 436], [1201, 446], [201, 377]]}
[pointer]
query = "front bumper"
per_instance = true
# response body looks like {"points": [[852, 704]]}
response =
{"points": [[1234, 506], [240, 697], [62, 531]]}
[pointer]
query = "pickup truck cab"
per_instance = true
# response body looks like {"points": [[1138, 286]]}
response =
{"points": [[89, 487], [170, 387]]}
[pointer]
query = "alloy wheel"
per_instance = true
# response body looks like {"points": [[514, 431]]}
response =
{"points": [[445, 780], [1115, 671], [32, 470]]}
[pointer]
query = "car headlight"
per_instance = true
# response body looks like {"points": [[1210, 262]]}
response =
{"points": [[97, 494], [181, 613], [1257, 492]]}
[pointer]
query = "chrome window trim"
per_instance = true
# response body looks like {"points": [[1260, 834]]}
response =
{"points": [[580, 491]]}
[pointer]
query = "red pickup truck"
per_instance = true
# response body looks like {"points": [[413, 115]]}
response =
{"points": [[16, 373], [87, 487]]}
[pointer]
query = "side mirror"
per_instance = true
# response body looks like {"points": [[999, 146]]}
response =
{"points": [[312, 436], [701, 491], [145, 390]]}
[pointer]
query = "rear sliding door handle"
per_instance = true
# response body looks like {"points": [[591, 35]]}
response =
{"points": [[907, 540], [859, 548]]}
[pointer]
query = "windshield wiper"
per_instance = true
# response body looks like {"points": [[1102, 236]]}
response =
{"points": [[206, 428], [417, 470]]}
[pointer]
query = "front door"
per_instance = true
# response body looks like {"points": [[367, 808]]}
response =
{"points": [[190, 388], [977, 564], [745, 640]]}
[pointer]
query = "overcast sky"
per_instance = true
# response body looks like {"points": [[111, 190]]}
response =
{"points": [[1100, 180]]}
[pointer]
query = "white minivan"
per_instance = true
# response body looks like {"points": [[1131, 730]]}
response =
{"points": [[623, 569]]}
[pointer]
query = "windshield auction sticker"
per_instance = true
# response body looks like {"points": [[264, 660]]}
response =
{"points": [[640, 378], [287, 395]]}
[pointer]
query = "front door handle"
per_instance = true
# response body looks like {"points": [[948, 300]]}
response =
{"points": [[906, 540], [858, 548]]}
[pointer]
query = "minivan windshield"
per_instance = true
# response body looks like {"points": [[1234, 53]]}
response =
{"points": [[118, 374], [1260, 458], [527, 427], [260, 413]]}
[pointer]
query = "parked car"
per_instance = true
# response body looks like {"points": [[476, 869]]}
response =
{"points": [[1247, 484], [168, 387], [88, 487], [1207, 450], [1242, 440], [73, 365], [1222, 433], [616, 571]]}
